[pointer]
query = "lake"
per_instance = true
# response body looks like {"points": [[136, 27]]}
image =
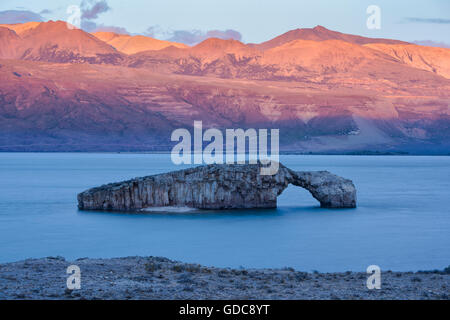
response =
{"points": [[402, 221]]}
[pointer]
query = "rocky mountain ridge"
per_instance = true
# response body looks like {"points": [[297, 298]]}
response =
{"points": [[67, 90]]}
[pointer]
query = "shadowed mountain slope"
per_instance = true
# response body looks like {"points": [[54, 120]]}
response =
{"points": [[436, 60]]}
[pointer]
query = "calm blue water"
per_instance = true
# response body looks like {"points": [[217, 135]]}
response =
{"points": [[402, 221]]}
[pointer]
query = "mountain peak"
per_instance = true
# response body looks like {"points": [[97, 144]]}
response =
{"points": [[216, 43], [320, 33], [320, 28], [129, 44], [19, 28], [106, 36], [55, 26], [55, 41]]}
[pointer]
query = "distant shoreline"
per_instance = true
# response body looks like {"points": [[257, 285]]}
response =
{"points": [[161, 278]]}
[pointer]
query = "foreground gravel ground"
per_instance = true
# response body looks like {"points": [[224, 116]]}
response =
{"points": [[161, 278]]}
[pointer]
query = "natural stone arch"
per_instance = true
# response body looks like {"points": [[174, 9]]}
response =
{"points": [[218, 186], [330, 190]]}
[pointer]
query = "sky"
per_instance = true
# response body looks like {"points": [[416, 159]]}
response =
{"points": [[254, 20]]}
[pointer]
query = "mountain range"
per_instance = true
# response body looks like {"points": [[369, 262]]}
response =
{"points": [[63, 89]]}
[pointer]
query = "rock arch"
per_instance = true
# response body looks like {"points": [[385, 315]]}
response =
{"points": [[218, 186]]}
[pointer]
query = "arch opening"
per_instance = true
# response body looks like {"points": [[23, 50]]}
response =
{"points": [[295, 196]]}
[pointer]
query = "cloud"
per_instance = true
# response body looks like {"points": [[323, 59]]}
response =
{"points": [[187, 37], [103, 28], [227, 34], [19, 16], [45, 11], [431, 43], [192, 37], [88, 25], [90, 9], [427, 20], [157, 32]]}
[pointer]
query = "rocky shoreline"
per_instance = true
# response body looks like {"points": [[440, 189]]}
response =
{"points": [[161, 278]]}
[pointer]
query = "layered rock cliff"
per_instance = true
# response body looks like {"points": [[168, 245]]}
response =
{"points": [[218, 186]]}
